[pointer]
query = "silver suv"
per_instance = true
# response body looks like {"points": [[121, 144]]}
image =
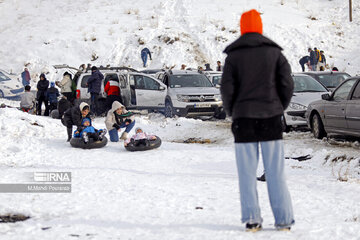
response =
{"points": [[190, 94]]}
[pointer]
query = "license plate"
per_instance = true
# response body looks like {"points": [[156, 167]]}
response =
{"points": [[202, 105]]}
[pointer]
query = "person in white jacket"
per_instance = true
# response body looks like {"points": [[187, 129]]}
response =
{"points": [[118, 117], [65, 85]]}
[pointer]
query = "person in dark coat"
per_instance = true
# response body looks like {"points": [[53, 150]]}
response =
{"points": [[144, 53], [304, 60], [52, 95], [219, 68], [41, 95], [63, 105], [313, 60], [94, 88], [74, 116], [256, 87], [207, 67]]}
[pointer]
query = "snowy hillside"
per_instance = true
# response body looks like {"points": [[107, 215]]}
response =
{"points": [[41, 33]]}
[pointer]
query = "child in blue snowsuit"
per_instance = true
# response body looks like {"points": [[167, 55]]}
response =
{"points": [[87, 131]]}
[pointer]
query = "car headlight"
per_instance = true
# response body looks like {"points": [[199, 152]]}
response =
{"points": [[183, 98], [217, 97], [297, 106]]}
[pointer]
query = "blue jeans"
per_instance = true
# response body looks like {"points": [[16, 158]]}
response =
{"points": [[247, 158], [113, 133], [313, 67], [144, 58]]}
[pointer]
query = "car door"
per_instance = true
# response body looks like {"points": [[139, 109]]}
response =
{"points": [[353, 110], [335, 108], [83, 88], [150, 93]]}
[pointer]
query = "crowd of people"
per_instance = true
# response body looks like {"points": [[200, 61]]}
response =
{"points": [[315, 61]]}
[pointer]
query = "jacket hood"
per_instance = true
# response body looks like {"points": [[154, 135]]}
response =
{"points": [[86, 119], [250, 22], [82, 105], [42, 75], [117, 105], [251, 40]]}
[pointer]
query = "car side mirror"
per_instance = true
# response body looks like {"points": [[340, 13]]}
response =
{"points": [[326, 97], [162, 88]]}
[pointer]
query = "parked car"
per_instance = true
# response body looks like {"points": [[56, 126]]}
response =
{"points": [[329, 79], [138, 90], [10, 85], [338, 113], [190, 94], [214, 77], [306, 90]]}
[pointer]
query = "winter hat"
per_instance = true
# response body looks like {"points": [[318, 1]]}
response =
{"points": [[93, 68], [137, 129], [86, 120], [52, 84], [83, 105], [43, 75], [250, 22]]}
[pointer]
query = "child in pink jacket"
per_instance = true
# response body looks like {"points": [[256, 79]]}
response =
{"points": [[139, 137]]}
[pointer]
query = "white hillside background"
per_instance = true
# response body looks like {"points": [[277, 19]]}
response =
{"points": [[41, 33]]}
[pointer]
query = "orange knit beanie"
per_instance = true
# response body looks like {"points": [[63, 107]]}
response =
{"points": [[251, 22]]}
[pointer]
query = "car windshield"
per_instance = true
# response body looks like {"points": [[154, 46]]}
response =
{"points": [[307, 84], [3, 77], [217, 79], [199, 80], [332, 80]]}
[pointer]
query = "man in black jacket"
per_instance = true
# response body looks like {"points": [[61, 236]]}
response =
{"points": [[41, 95], [94, 88], [74, 116], [256, 88]]}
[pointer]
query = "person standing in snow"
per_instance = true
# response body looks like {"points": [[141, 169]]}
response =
{"points": [[118, 117], [144, 53], [304, 60], [112, 89], [207, 67], [219, 68], [313, 60], [25, 75], [65, 86], [322, 61], [52, 95], [74, 116], [41, 95], [94, 88], [256, 87]]}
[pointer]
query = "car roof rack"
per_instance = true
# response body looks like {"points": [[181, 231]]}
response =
{"points": [[118, 68], [62, 66]]}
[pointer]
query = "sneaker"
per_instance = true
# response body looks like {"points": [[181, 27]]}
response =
{"points": [[253, 227], [284, 229], [262, 178], [86, 137], [68, 140], [102, 134]]}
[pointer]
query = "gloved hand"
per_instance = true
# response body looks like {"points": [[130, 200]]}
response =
{"points": [[116, 126]]}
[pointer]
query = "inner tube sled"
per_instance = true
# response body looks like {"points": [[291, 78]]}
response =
{"points": [[79, 143], [143, 144]]}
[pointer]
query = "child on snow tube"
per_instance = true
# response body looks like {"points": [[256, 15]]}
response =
{"points": [[89, 132], [142, 141]]}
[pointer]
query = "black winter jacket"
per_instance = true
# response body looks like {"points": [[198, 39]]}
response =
{"points": [[73, 116], [256, 81], [42, 87]]}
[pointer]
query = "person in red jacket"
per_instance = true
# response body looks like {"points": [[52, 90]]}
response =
{"points": [[112, 89]]}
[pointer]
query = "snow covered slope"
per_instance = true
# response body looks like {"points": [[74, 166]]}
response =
{"points": [[46, 32]]}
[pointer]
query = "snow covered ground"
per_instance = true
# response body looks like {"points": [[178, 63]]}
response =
{"points": [[41, 33], [179, 191]]}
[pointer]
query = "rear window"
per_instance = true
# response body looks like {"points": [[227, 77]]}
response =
{"points": [[332, 80], [216, 80], [84, 81]]}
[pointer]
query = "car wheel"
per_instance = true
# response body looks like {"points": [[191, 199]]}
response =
{"points": [[1, 94], [317, 127], [285, 127], [169, 112]]}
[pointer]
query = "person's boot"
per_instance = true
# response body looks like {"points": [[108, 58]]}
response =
{"points": [[69, 133], [102, 134], [124, 136], [85, 137], [254, 227], [262, 178]]}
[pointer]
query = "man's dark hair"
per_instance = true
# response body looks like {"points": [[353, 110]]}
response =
{"points": [[93, 68], [27, 88]]}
